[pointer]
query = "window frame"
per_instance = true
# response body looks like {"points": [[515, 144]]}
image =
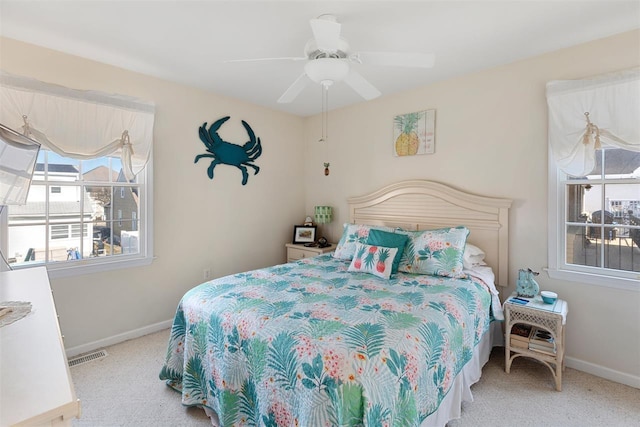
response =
{"points": [[558, 268], [102, 264]]}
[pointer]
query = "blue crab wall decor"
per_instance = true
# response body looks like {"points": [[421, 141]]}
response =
{"points": [[222, 152]]}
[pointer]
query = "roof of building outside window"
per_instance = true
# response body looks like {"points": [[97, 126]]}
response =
{"points": [[57, 168], [55, 208]]}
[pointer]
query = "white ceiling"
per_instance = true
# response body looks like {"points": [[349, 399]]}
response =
{"points": [[187, 41]]}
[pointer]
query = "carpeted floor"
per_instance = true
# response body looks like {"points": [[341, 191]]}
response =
{"points": [[123, 389]]}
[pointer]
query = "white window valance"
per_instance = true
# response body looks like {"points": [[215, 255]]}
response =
{"points": [[77, 123], [583, 114]]}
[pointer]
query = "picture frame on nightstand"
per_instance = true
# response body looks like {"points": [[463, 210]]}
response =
{"points": [[304, 234]]}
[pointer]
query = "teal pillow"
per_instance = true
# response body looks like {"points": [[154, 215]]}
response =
{"points": [[389, 240]]}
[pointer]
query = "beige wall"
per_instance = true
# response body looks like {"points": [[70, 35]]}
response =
{"points": [[491, 139], [199, 223]]}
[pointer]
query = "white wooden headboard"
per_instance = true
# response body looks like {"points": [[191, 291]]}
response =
{"points": [[422, 205]]}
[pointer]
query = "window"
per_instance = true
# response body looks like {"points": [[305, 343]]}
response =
{"points": [[73, 223], [595, 231], [59, 232], [594, 179], [62, 231], [75, 230], [95, 160]]}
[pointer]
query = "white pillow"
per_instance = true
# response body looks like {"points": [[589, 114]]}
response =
{"points": [[473, 256]]}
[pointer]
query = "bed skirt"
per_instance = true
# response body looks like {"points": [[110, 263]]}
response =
{"points": [[451, 406]]}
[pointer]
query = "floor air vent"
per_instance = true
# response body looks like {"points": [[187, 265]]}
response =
{"points": [[88, 357]]}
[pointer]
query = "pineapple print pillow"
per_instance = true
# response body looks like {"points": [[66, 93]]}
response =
{"points": [[352, 234], [376, 260], [436, 252]]}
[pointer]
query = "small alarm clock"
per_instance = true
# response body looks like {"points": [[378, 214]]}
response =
{"points": [[322, 243]]}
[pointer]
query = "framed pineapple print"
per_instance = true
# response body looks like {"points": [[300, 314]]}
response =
{"points": [[414, 133]]}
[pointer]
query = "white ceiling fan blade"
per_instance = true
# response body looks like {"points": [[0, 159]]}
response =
{"points": [[294, 90], [361, 85], [326, 33], [396, 59], [284, 58]]}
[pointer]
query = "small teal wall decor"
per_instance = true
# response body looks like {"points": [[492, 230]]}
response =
{"points": [[526, 285], [222, 152]]}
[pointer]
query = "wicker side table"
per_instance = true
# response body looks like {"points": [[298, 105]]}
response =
{"points": [[551, 318]]}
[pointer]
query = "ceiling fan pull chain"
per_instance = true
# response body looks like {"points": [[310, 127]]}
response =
{"points": [[325, 90], [325, 125], [322, 115]]}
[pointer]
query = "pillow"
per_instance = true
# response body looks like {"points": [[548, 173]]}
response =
{"points": [[389, 240], [376, 260], [473, 256], [352, 234], [435, 252]]}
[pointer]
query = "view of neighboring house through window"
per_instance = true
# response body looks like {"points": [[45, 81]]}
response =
{"points": [[602, 215], [73, 213]]}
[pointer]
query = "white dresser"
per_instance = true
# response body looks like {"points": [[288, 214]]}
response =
{"points": [[35, 382]]}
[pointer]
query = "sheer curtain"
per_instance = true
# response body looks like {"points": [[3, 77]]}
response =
{"points": [[79, 124], [583, 114]]}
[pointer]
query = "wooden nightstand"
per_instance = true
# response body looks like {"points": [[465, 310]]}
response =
{"points": [[296, 252], [547, 317]]}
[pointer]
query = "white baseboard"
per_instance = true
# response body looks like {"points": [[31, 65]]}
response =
{"points": [[601, 371], [136, 333]]}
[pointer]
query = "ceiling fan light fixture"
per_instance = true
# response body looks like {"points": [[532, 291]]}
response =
{"points": [[326, 71], [329, 61]]}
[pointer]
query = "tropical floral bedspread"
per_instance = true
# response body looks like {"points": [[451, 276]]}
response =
{"points": [[311, 344]]}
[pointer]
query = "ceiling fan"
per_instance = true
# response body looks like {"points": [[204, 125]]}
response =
{"points": [[328, 61]]}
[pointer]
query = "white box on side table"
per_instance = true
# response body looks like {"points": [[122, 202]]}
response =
{"points": [[536, 314]]}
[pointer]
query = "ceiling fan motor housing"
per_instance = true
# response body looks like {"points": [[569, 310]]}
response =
{"points": [[312, 51]]}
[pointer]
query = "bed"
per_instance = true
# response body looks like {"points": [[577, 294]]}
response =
{"points": [[340, 340]]}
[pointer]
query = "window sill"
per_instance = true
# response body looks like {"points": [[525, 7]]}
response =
{"points": [[78, 268], [628, 284]]}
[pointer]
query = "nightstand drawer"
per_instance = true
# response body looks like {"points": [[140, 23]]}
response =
{"points": [[294, 254]]}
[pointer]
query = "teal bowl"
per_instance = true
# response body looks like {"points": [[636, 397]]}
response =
{"points": [[548, 297]]}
